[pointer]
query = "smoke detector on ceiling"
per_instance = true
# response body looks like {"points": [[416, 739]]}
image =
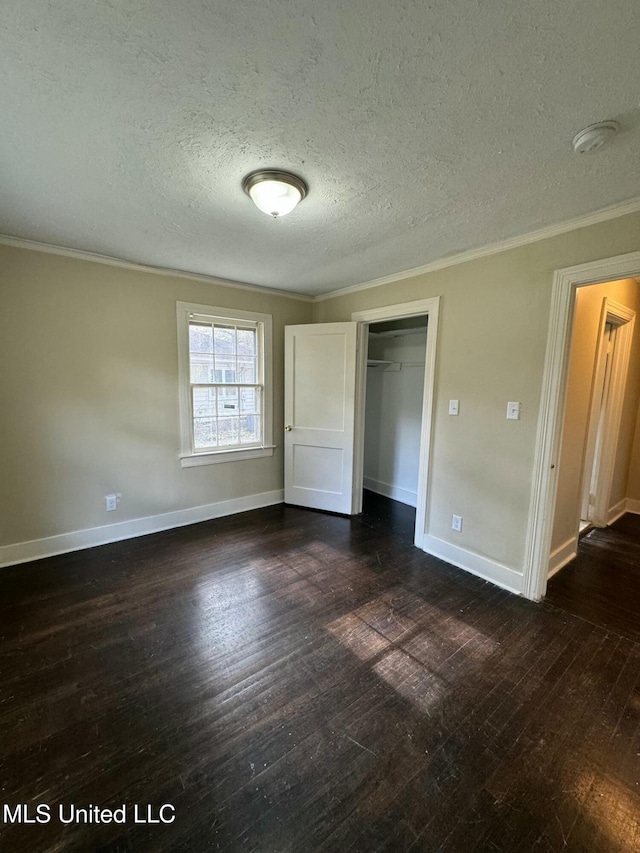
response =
{"points": [[594, 137]]}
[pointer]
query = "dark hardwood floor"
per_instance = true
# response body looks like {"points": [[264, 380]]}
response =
{"points": [[291, 681], [602, 584]]}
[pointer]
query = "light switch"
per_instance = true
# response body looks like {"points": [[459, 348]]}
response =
{"points": [[513, 411], [454, 406]]}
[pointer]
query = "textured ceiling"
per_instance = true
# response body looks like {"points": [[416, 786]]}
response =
{"points": [[422, 128]]}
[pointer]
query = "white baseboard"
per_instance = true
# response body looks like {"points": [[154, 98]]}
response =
{"points": [[617, 511], [405, 496], [483, 567], [36, 549], [633, 506], [563, 555]]}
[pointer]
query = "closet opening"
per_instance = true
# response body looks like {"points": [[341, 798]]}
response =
{"points": [[396, 359]]}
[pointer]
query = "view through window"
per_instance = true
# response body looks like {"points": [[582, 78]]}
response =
{"points": [[226, 384]]}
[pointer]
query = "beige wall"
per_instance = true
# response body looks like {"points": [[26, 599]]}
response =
{"points": [[89, 388], [584, 341], [491, 347]]}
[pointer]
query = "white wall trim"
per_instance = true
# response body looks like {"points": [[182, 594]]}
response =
{"points": [[617, 511], [36, 549], [196, 460], [483, 567], [624, 320], [633, 506], [396, 493], [552, 403], [80, 255], [603, 215], [563, 555], [399, 311]]}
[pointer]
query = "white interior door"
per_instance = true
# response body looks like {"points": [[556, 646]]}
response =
{"points": [[319, 415]]}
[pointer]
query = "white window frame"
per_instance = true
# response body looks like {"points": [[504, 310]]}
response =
{"points": [[189, 457]]}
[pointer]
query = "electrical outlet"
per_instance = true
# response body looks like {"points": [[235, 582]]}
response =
{"points": [[456, 523], [111, 502]]}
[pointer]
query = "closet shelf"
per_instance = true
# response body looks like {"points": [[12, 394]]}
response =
{"points": [[393, 365], [385, 365]]}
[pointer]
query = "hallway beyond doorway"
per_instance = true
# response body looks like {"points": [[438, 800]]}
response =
{"points": [[602, 585]]}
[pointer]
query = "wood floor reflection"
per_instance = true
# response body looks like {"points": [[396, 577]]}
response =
{"points": [[291, 681]]}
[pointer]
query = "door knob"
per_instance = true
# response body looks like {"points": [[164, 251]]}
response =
{"points": [[287, 428]]}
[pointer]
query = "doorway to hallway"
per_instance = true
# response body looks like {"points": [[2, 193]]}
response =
{"points": [[584, 588]]}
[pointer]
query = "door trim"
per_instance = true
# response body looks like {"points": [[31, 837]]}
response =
{"points": [[623, 319], [552, 405], [399, 311], [597, 403]]}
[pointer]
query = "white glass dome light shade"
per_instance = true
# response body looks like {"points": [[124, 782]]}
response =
{"points": [[275, 197], [274, 192]]}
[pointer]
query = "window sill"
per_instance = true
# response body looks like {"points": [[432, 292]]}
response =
{"points": [[193, 460]]}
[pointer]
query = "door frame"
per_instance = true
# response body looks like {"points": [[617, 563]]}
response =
{"points": [[622, 319], [418, 308], [600, 385], [552, 406]]}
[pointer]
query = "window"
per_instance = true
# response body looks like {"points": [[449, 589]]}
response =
{"points": [[224, 359]]}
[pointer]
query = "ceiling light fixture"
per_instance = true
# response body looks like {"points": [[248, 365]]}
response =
{"points": [[273, 191], [595, 136]]}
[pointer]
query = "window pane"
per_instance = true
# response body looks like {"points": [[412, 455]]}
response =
{"points": [[225, 358], [249, 401], [250, 429], [204, 402], [247, 341], [225, 369], [201, 367], [200, 337], [204, 433], [228, 431], [224, 339], [228, 403], [246, 369]]}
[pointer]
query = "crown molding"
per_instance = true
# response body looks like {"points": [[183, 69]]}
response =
{"points": [[79, 254], [606, 213]]}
